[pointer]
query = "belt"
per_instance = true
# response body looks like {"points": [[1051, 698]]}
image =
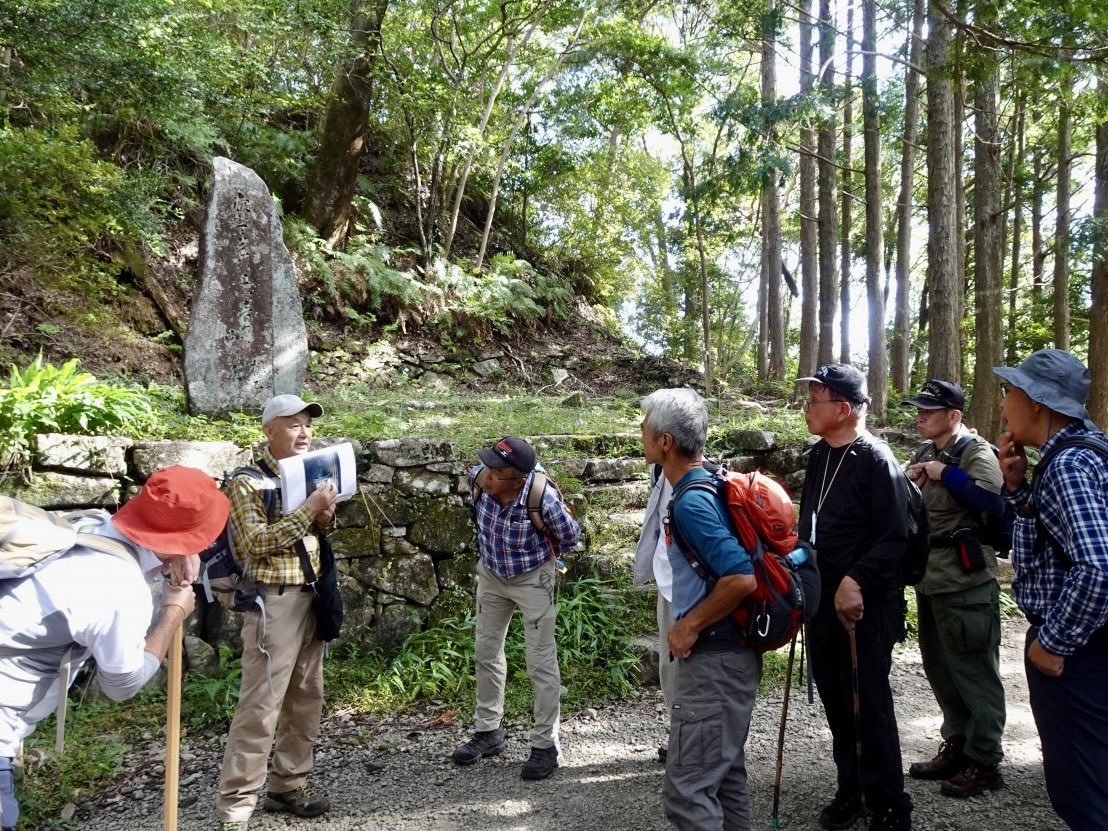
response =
{"points": [[303, 587]]}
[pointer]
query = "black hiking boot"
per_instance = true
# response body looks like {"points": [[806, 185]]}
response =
{"points": [[542, 763], [895, 817], [947, 762], [483, 744], [972, 780], [842, 812], [303, 802]]}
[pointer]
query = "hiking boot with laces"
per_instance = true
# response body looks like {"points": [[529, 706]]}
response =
{"points": [[483, 744], [542, 763], [972, 780], [947, 762], [304, 802], [897, 817], [842, 812]]}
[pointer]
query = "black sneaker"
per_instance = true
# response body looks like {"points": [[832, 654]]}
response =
{"points": [[484, 743], [972, 780], [947, 762], [842, 812], [304, 802], [897, 817], [542, 763]]}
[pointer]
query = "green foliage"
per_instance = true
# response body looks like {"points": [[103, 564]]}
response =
{"points": [[43, 398], [63, 209], [209, 702], [511, 291]]}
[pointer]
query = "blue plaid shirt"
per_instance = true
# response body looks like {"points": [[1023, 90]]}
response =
{"points": [[506, 538], [1073, 495]]}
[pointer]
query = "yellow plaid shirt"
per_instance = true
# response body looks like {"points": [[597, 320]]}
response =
{"points": [[271, 546]]}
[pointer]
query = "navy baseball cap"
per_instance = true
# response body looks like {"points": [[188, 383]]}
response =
{"points": [[844, 379], [510, 451], [939, 395]]}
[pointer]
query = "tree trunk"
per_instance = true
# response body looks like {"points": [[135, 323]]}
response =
{"points": [[1038, 249], [1016, 175], [875, 226], [958, 128], [847, 195], [334, 174], [1062, 223], [988, 237], [494, 94], [506, 149], [901, 335], [809, 304], [771, 217], [1098, 320], [828, 220], [943, 273]]}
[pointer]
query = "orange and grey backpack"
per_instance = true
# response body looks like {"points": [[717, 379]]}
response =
{"points": [[787, 579]]}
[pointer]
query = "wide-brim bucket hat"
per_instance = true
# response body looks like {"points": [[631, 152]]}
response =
{"points": [[1055, 379], [179, 511]]}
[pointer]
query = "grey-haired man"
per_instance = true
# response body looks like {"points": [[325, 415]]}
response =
{"points": [[1060, 558]]}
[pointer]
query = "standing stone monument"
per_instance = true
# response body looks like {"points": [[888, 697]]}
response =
{"points": [[246, 339]]}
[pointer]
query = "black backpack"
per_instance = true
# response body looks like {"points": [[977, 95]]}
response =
{"points": [[1042, 535], [221, 571], [913, 562]]}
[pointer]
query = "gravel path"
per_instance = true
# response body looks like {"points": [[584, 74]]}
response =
{"points": [[396, 775]]}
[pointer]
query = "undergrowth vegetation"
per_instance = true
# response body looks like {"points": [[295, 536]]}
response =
{"points": [[43, 398]]}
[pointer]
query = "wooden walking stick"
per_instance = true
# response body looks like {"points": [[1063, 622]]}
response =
{"points": [[773, 820], [173, 729], [857, 723]]}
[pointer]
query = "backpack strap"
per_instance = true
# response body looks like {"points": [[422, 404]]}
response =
{"points": [[699, 566], [1042, 535]]}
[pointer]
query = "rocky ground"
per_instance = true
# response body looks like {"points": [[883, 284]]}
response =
{"points": [[396, 775]]}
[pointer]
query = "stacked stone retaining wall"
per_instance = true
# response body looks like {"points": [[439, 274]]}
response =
{"points": [[405, 542]]}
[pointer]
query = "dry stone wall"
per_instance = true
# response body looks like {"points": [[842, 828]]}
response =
{"points": [[405, 542]]}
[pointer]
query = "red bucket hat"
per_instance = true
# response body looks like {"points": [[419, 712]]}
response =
{"points": [[178, 511]]}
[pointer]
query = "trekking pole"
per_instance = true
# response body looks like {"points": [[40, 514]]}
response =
{"points": [[857, 725], [773, 820], [173, 729]]}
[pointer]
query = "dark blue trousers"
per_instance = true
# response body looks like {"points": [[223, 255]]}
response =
{"points": [[1071, 713]]}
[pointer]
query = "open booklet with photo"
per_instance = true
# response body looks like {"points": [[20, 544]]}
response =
{"points": [[301, 475]]}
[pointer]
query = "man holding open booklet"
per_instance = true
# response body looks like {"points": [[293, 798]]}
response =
{"points": [[282, 654]]}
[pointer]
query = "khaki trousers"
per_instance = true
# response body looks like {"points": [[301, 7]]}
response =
{"points": [[290, 710], [497, 599]]}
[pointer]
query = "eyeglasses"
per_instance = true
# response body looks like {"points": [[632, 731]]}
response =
{"points": [[811, 402]]}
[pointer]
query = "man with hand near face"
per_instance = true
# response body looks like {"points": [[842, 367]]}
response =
{"points": [[281, 693], [958, 599], [94, 600], [1060, 559], [854, 512]]}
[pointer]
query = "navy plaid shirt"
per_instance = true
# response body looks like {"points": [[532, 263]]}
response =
{"points": [[506, 538], [1073, 494]]}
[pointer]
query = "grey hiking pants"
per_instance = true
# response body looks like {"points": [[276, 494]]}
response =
{"points": [[705, 785]]}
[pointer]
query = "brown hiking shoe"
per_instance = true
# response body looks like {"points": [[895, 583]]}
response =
{"points": [[304, 802], [972, 780], [947, 762]]}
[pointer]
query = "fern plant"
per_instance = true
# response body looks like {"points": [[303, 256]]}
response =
{"points": [[43, 398]]}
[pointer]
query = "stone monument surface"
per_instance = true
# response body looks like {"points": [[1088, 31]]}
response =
{"points": [[246, 339]]}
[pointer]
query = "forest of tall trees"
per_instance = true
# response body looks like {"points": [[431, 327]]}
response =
{"points": [[920, 189]]}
